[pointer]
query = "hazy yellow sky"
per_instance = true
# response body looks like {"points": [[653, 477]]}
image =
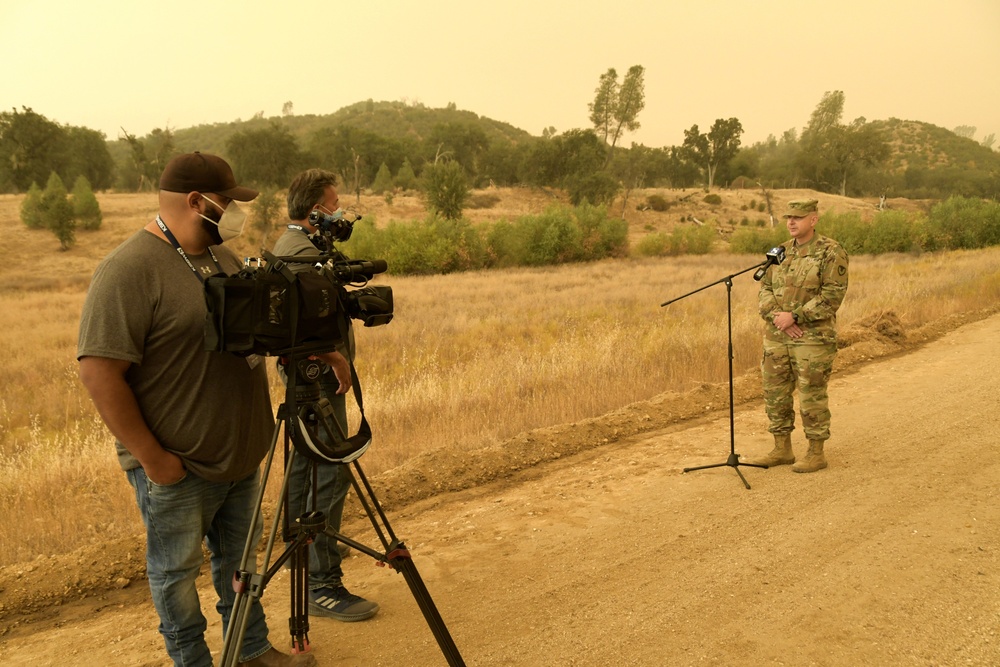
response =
{"points": [[111, 64]]}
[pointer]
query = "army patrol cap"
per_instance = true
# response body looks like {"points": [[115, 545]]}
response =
{"points": [[800, 208]]}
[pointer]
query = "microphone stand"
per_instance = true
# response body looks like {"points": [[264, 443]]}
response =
{"points": [[734, 459]]}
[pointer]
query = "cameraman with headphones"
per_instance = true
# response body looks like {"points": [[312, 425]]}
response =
{"points": [[315, 190]]}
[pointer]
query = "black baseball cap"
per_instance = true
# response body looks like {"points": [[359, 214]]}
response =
{"points": [[201, 172]]}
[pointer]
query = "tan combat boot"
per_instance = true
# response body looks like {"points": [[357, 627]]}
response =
{"points": [[814, 459], [781, 455]]}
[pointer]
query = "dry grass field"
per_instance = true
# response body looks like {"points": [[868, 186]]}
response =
{"points": [[470, 360]]}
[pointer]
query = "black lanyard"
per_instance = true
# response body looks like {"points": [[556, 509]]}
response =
{"points": [[180, 250]]}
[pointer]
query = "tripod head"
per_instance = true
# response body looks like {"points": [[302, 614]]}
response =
{"points": [[310, 418]]}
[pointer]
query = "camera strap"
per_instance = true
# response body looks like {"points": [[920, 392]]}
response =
{"points": [[180, 251]]}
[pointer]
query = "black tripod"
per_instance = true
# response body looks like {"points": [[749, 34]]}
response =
{"points": [[734, 459], [302, 414]]}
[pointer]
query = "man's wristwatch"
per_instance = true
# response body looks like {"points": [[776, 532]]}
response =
{"points": [[795, 318]]}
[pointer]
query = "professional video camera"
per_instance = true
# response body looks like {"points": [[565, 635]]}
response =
{"points": [[269, 309]]}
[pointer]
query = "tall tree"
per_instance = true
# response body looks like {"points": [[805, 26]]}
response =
{"points": [[615, 109], [696, 148], [832, 151], [31, 147], [148, 157], [825, 116], [602, 109], [88, 156], [716, 148], [269, 156], [851, 146], [967, 131]]}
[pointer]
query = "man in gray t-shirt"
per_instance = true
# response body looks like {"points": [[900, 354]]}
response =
{"points": [[191, 425]]}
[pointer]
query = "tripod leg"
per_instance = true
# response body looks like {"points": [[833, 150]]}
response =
{"points": [[398, 557], [238, 617], [400, 561]]}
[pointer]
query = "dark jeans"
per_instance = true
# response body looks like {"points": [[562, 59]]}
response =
{"points": [[334, 482], [178, 517]]}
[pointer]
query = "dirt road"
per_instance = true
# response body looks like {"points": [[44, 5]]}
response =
{"points": [[614, 556]]}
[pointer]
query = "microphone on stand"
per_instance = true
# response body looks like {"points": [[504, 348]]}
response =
{"points": [[775, 255]]}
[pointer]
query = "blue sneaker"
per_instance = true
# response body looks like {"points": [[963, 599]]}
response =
{"points": [[338, 603]]}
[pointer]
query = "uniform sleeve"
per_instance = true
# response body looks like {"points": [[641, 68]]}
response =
{"points": [[766, 302], [833, 287]]}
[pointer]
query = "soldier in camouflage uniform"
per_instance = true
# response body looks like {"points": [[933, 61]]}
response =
{"points": [[799, 299]]}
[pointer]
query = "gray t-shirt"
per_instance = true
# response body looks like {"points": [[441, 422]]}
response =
{"points": [[212, 409]]}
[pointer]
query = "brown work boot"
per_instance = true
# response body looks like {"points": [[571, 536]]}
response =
{"points": [[781, 455], [275, 658], [814, 459]]}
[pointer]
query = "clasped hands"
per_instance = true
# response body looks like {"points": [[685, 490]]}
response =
{"points": [[786, 323]]}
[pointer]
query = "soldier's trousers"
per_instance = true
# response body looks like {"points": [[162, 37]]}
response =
{"points": [[787, 367]]}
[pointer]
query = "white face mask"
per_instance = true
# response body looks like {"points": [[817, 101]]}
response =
{"points": [[232, 221]]}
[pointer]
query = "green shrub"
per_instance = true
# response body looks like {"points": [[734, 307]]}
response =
{"points": [[681, 241], [383, 180], [86, 210], [439, 245], [761, 207], [405, 177], [756, 241], [265, 210], [597, 187], [57, 212], [31, 208], [962, 222], [890, 231], [653, 245], [847, 228], [657, 203], [712, 199], [602, 236], [446, 189]]}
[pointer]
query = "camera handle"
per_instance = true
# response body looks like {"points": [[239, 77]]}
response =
{"points": [[734, 459]]}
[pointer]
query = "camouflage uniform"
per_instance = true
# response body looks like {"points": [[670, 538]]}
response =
{"points": [[811, 284]]}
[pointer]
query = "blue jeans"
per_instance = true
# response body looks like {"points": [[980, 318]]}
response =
{"points": [[178, 517], [333, 484]]}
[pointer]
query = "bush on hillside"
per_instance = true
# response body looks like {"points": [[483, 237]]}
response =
{"points": [[963, 222], [57, 212], [681, 241], [446, 189], [657, 203], [265, 210], [86, 210], [383, 180], [31, 208], [756, 241], [596, 187]]}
